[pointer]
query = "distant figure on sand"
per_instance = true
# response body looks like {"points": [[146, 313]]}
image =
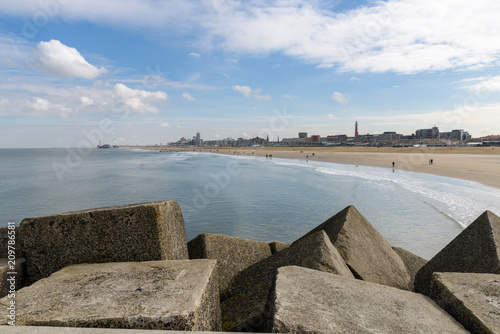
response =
{"points": [[393, 164]]}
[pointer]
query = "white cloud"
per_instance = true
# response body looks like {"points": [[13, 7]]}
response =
{"points": [[260, 97], [136, 100], [339, 97], [164, 125], [405, 36], [86, 101], [483, 85], [39, 104], [354, 79], [245, 90], [330, 116], [249, 92], [194, 54], [402, 36], [188, 96], [4, 101], [62, 60]]}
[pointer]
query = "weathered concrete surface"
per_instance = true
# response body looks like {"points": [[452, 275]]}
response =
{"points": [[277, 246], [367, 253], [174, 295], [11, 278], [472, 299], [413, 263], [138, 232], [475, 250], [73, 330], [309, 301], [232, 254], [243, 306], [4, 241]]}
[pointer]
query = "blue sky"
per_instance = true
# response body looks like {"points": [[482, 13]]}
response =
{"points": [[153, 71]]}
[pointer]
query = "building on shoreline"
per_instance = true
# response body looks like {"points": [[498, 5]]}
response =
{"points": [[421, 137]]}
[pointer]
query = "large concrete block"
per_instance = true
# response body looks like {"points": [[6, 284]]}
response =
{"points": [[73, 330], [475, 250], [138, 232], [232, 254], [6, 234], [243, 306], [168, 295], [413, 263], [367, 253], [12, 275], [472, 299], [309, 301], [277, 246]]}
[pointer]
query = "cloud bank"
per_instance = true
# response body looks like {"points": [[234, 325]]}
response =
{"points": [[400, 36]]}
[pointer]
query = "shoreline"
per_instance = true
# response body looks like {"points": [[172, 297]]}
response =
{"points": [[477, 164]]}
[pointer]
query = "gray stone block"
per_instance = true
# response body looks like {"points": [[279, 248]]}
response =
{"points": [[309, 301], [73, 330], [413, 263], [169, 295], [277, 246], [232, 254], [138, 232], [367, 253], [243, 306], [475, 250], [472, 299], [4, 240], [11, 279]]}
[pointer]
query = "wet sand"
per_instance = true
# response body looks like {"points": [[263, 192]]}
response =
{"points": [[479, 164]]}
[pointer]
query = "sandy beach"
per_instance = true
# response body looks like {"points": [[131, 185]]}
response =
{"points": [[479, 164]]}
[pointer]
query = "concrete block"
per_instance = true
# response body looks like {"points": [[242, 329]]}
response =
{"points": [[4, 240], [413, 263], [277, 246], [367, 253], [309, 301], [475, 250], [243, 306], [73, 330], [472, 299], [12, 275], [169, 295], [138, 232], [232, 254]]}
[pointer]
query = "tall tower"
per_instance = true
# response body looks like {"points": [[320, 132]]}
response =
{"points": [[356, 130]]}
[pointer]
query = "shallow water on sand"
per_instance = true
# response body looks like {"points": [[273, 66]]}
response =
{"points": [[251, 197]]}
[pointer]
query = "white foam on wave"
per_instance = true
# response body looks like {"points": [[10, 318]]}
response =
{"points": [[462, 201]]}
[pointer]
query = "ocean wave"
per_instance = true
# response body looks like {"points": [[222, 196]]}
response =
{"points": [[461, 201]]}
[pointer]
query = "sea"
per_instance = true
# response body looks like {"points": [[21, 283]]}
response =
{"points": [[245, 196]]}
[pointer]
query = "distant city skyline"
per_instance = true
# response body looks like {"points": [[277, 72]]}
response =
{"points": [[153, 72]]}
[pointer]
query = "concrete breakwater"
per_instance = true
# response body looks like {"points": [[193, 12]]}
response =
{"points": [[130, 267]]}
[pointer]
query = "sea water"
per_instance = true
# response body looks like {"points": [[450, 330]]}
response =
{"points": [[245, 196]]}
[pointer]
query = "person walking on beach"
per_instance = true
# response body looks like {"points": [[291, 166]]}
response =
{"points": [[393, 164]]}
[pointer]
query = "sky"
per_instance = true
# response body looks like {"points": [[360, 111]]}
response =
{"points": [[73, 72]]}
